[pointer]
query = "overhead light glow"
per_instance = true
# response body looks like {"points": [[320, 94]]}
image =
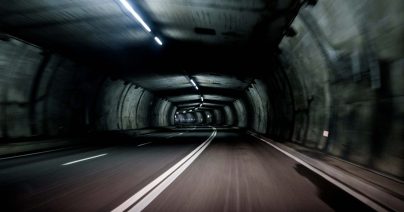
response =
{"points": [[202, 98], [196, 87], [189, 110], [130, 9], [200, 105], [158, 41], [184, 111]]}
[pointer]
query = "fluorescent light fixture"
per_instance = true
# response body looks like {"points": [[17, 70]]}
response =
{"points": [[193, 83], [200, 105], [189, 110], [196, 87], [158, 41], [202, 98], [130, 9]]}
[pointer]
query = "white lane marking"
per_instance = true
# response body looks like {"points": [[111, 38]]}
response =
{"points": [[350, 191], [163, 185], [144, 144], [84, 159], [171, 136], [153, 189], [35, 153]]}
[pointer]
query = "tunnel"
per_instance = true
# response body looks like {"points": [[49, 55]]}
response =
{"points": [[202, 105]]}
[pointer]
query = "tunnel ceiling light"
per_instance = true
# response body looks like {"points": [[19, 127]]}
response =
{"points": [[325, 133], [130, 9], [158, 41], [202, 98], [201, 105], [189, 110], [193, 83]]}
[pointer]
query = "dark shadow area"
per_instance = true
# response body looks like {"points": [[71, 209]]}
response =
{"points": [[333, 196]]}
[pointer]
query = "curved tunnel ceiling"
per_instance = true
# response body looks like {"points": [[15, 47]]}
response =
{"points": [[104, 27], [216, 90], [209, 43], [104, 24]]}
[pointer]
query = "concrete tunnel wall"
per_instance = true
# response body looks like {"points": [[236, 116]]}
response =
{"points": [[229, 115], [258, 99], [346, 68], [218, 117], [240, 112], [42, 94], [199, 118], [122, 106], [45, 94], [163, 113]]}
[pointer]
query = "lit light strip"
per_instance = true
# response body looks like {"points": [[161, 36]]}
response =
{"points": [[130, 9], [158, 41], [200, 105], [202, 98], [193, 83]]}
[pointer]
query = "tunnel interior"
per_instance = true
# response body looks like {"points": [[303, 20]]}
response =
{"points": [[328, 75]]}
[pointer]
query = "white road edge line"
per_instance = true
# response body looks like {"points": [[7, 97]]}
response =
{"points": [[76, 161], [350, 191], [144, 144], [35, 153], [153, 189]]}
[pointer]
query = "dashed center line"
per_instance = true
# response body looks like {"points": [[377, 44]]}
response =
{"points": [[177, 134], [144, 144], [84, 159]]}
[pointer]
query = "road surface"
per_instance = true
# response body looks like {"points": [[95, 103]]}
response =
{"points": [[190, 169]]}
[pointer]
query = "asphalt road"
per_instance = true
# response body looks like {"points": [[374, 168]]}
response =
{"points": [[189, 169]]}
